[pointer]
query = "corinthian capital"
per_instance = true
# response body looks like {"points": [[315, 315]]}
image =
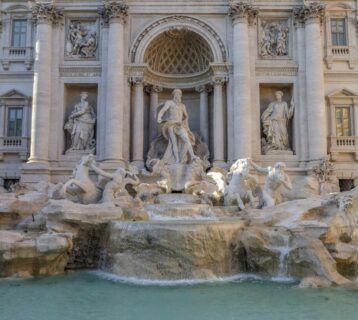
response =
{"points": [[112, 10], [314, 10], [242, 11], [46, 13]]}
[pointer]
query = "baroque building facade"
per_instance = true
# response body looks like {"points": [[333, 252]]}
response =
{"points": [[267, 80]]}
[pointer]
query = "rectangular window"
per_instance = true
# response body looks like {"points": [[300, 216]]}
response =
{"points": [[19, 30], [14, 123], [338, 28], [343, 121]]}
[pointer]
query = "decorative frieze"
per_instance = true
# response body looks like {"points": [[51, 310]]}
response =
{"points": [[274, 39], [276, 71], [242, 11], [46, 13], [84, 71], [114, 10], [314, 10], [82, 38]]}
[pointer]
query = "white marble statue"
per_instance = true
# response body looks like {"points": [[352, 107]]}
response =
{"points": [[176, 131], [81, 124], [276, 179], [117, 182], [275, 124], [80, 186], [282, 40], [81, 40], [241, 187]]}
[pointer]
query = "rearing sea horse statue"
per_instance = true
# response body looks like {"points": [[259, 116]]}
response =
{"points": [[81, 186]]}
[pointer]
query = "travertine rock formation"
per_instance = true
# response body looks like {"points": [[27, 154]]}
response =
{"points": [[24, 255]]}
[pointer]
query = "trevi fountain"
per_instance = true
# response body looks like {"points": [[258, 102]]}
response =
{"points": [[196, 220]]}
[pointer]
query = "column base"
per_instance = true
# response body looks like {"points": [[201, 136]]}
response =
{"points": [[35, 171], [220, 164], [113, 164]]}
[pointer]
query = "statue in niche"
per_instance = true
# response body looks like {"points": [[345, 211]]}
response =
{"points": [[275, 125], [81, 40], [176, 131], [274, 39], [276, 179], [80, 126]]}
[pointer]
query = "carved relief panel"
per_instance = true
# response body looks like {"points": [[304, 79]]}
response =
{"points": [[82, 38], [274, 38]]}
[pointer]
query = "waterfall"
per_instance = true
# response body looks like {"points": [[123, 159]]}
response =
{"points": [[283, 251]]}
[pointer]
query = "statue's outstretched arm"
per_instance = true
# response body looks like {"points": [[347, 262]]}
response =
{"points": [[79, 113], [267, 113], [101, 172], [258, 168]]}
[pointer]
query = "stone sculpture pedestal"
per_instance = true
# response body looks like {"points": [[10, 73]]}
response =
{"points": [[184, 173]]}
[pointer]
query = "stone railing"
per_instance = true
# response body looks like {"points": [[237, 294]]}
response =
{"points": [[340, 50], [17, 145], [14, 54], [343, 145]]}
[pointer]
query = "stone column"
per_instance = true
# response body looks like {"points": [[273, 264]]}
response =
{"points": [[115, 13], [299, 95], [242, 13], [204, 111], [218, 121], [2, 119], [355, 116], [45, 15], [137, 135], [154, 102], [312, 15]]}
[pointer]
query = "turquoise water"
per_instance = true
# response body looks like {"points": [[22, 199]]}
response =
{"points": [[87, 296]]}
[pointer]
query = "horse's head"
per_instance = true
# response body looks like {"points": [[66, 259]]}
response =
{"points": [[87, 160], [241, 167]]}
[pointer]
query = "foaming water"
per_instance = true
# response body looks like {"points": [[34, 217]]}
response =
{"points": [[158, 217], [283, 279], [242, 277]]}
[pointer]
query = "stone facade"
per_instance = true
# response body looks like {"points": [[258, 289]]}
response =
{"points": [[228, 57]]}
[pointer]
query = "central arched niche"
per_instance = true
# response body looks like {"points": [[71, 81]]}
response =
{"points": [[179, 52], [179, 58]]}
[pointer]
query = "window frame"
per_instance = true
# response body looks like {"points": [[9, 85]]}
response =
{"points": [[8, 110], [337, 33], [13, 25], [340, 53], [351, 120]]}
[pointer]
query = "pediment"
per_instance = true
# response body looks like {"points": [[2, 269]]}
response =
{"points": [[14, 94], [17, 7], [342, 93]]}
